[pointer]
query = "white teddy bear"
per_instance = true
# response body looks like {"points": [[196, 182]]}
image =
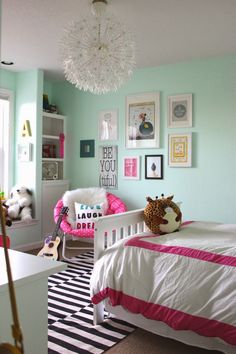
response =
{"points": [[20, 203]]}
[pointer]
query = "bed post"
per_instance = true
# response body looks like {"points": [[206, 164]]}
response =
{"points": [[98, 310], [98, 314]]}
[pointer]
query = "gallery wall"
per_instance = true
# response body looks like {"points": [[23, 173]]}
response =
{"points": [[207, 188]]}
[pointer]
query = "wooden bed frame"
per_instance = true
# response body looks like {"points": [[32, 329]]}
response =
{"points": [[110, 229]]}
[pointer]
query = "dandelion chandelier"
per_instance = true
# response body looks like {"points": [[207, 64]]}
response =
{"points": [[98, 52]]}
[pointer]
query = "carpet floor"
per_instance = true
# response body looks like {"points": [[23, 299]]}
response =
{"points": [[70, 313]]}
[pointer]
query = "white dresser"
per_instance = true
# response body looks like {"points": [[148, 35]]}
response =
{"points": [[30, 274]]}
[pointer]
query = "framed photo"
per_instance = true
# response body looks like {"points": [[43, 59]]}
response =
{"points": [[180, 111], [87, 148], [108, 166], [143, 121], [153, 166], [24, 152], [131, 167], [180, 150], [108, 125]]}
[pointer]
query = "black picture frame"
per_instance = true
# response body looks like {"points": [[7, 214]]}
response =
{"points": [[153, 166], [87, 148]]}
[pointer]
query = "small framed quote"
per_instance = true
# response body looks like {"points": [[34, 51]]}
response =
{"points": [[131, 169], [180, 111], [108, 168], [180, 150], [153, 166]]}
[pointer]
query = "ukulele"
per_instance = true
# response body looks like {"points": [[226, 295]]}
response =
{"points": [[51, 243]]}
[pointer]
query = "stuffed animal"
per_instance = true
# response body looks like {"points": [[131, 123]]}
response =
{"points": [[19, 204], [162, 215]]}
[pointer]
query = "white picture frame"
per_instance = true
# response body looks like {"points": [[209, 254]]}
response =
{"points": [[180, 111], [108, 166], [108, 125], [180, 150], [143, 121], [131, 167], [24, 152]]}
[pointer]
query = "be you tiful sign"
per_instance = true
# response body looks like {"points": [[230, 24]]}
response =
{"points": [[108, 167]]}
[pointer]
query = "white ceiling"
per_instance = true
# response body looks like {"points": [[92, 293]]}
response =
{"points": [[166, 31]]}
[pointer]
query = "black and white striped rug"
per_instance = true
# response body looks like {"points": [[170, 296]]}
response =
{"points": [[70, 313]]}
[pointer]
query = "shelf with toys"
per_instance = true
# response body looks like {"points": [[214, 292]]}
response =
{"points": [[53, 146]]}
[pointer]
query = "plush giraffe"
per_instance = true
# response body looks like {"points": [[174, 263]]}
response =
{"points": [[162, 215]]}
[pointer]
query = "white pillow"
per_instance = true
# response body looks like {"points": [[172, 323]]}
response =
{"points": [[85, 215], [89, 196]]}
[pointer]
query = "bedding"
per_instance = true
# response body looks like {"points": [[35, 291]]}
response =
{"points": [[186, 279]]}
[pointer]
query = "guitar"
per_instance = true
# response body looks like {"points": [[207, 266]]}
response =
{"points": [[51, 243]]}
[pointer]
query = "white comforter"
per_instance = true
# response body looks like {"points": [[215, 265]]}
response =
{"points": [[186, 279]]}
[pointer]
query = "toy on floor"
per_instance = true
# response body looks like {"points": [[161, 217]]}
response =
{"points": [[19, 204], [162, 215]]}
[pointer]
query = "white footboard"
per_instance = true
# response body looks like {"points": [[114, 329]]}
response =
{"points": [[110, 229]]}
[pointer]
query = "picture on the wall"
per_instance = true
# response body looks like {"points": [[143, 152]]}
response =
{"points": [[143, 120], [153, 166], [87, 148], [180, 111], [108, 125], [131, 169], [24, 151], [180, 150], [108, 169]]}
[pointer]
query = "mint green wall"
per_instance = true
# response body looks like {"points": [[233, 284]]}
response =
{"points": [[7, 80], [207, 189]]}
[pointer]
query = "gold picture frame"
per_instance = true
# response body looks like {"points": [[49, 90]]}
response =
{"points": [[180, 150]]}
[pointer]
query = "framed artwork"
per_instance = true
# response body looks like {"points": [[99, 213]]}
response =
{"points": [[180, 150], [131, 167], [108, 125], [143, 121], [87, 148], [108, 166], [24, 152], [180, 111], [153, 166]]}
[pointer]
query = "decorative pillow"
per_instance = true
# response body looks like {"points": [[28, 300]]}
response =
{"points": [[162, 216], [88, 196], [85, 214]]}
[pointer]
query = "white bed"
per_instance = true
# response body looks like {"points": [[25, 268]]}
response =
{"points": [[119, 237]]}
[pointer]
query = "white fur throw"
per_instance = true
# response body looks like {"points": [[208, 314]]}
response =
{"points": [[89, 196]]}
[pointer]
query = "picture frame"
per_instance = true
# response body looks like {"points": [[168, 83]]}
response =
{"points": [[153, 166], [131, 167], [180, 150], [24, 152], [180, 111], [87, 148], [108, 125], [142, 121], [108, 166]]}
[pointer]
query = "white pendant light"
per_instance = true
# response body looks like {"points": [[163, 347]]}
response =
{"points": [[98, 52]]}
